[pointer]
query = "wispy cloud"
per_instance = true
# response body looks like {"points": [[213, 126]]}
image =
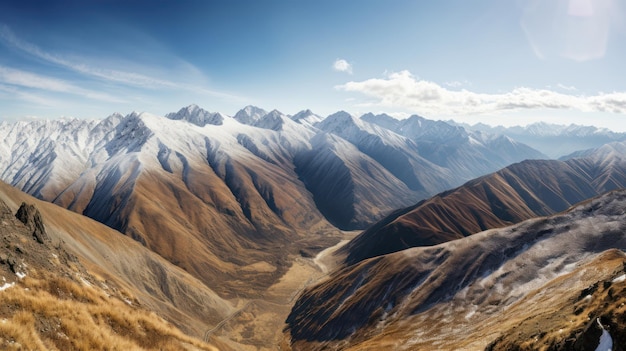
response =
{"points": [[132, 79], [31, 80], [341, 65], [19, 78], [13, 93], [405, 91], [454, 84], [128, 78], [566, 87]]}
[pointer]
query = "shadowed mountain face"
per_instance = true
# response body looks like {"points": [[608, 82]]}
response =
{"points": [[518, 192], [540, 282], [222, 196]]}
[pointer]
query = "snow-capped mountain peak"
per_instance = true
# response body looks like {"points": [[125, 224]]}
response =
{"points": [[196, 115], [341, 123], [383, 120], [273, 120], [249, 114], [302, 114], [307, 117]]}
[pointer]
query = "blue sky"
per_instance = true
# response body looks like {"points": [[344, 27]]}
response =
{"points": [[500, 62]]}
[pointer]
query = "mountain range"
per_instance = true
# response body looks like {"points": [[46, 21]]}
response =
{"points": [[217, 195], [219, 224], [515, 193], [554, 140]]}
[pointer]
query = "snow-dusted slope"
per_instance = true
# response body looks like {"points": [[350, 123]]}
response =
{"points": [[43, 157], [197, 116], [348, 186], [397, 154], [307, 117], [249, 114], [520, 191], [463, 152], [465, 294], [202, 188]]}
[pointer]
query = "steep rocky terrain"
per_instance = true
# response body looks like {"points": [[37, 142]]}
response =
{"points": [[50, 301], [117, 260], [518, 192], [540, 284]]}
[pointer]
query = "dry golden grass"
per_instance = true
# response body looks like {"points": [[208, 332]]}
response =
{"points": [[56, 313]]}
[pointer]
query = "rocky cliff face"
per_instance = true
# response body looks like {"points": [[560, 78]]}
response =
{"points": [[23, 234], [30, 216]]}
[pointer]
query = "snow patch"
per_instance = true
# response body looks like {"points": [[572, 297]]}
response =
{"points": [[620, 279], [471, 312], [20, 275], [606, 342], [6, 286]]}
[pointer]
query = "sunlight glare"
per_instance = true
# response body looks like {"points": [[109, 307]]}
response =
{"points": [[574, 29]]}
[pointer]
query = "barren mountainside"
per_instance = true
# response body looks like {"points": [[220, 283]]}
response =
{"points": [[220, 196], [545, 282], [518, 192], [51, 301]]}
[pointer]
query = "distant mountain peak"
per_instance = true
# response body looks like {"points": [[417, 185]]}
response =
{"points": [[307, 117], [196, 115], [341, 115], [250, 114], [273, 120], [383, 120], [337, 122], [302, 114]]}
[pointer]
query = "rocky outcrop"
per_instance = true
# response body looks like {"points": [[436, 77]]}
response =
{"points": [[30, 216]]}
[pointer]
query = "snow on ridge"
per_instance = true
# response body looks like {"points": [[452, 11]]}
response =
{"points": [[249, 114], [196, 115]]}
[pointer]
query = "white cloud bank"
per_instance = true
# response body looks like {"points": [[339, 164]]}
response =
{"points": [[402, 90], [342, 65]]}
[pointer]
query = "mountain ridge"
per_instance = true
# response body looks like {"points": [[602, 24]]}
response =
{"points": [[518, 192], [471, 293]]}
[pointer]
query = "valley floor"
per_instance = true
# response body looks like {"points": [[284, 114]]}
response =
{"points": [[257, 324]]}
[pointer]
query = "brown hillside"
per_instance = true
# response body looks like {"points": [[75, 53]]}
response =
{"points": [[49, 301], [537, 285], [119, 261], [513, 194]]}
